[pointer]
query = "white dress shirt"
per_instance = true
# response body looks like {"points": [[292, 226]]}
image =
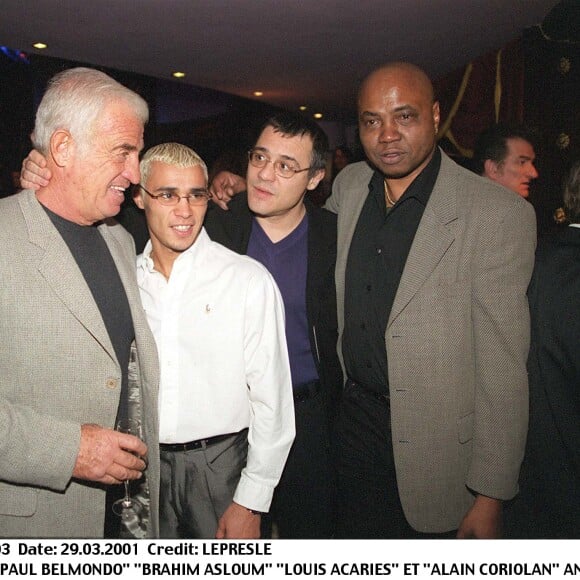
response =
{"points": [[219, 326]]}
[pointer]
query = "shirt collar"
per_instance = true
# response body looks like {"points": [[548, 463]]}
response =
{"points": [[192, 253], [146, 263], [422, 185]]}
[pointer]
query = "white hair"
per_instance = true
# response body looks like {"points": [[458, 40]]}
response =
{"points": [[73, 101]]}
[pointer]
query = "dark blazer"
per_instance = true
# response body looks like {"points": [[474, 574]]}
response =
{"points": [[232, 228], [549, 502]]}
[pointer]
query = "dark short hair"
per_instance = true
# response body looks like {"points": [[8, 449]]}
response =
{"points": [[295, 124], [492, 144], [572, 194]]}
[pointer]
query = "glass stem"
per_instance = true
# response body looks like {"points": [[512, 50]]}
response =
{"points": [[127, 496]]}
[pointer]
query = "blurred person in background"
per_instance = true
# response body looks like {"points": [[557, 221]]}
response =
{"points": [[549, 502], [505, 154]]}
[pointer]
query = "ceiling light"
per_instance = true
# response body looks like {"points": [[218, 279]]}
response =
{"points": [[317, 115], [303, 108], [178, 74], [40, 45], [258, 94]]}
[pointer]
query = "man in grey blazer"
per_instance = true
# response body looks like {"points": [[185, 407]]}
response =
{"points": [[432, 268], [77, 353]]}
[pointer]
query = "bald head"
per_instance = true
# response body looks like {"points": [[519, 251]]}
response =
{"points": [[400, 70], [398, 121]]}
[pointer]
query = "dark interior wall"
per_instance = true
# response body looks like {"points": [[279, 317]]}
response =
{"points": [[552, 103], [540, 86], [16, 104]]}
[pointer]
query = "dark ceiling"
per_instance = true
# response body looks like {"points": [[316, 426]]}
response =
{"points": [[309, 52]]}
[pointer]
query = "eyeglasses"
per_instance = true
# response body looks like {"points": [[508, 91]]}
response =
{"points": [[197, 197], [282, 168]]}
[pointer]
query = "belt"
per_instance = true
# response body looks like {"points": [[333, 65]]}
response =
{"points": [[306, 391], [382, 397], [191, 445]]}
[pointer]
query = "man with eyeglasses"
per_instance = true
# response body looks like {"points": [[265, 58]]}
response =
{"points": [[225, 401], [274, 223]]}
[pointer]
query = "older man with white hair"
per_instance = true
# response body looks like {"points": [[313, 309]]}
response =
{"points": [[77, 352]]}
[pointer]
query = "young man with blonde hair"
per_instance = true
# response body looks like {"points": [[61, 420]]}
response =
{"points": [[225, 402]]}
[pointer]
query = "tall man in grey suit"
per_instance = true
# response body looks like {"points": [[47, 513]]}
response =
{"points": [[71, 323], [432, 268]]}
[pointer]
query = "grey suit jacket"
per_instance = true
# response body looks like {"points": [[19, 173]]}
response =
{"points": [[457, 340], [58, 371]]}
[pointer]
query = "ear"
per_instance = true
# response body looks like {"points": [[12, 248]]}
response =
{"points": [[315, 179], [490, 168], [436, 116], [62, 147], [138, 197]]}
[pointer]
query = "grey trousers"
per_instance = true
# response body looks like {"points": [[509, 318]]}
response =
{"points": [[198, 486]]}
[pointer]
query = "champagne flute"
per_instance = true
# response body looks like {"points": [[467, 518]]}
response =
{"points": [[132, 427]]}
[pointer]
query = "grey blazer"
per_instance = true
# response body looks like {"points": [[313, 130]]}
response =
{"points": [[457, 339], [58, 370]]}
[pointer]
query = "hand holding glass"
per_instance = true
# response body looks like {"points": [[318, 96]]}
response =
{"points": [[131, 427]]}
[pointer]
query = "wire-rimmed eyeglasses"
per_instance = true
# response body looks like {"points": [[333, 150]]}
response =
{"points": [[285, 168], [196, 197]]}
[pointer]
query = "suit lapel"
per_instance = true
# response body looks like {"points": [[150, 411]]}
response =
{"points": [[347, 221], [316, 243], [62, 274], [245, 218], [433, 238]]}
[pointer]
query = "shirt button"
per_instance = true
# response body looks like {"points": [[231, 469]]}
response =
{"points": [[111, 383], [379, 250]]}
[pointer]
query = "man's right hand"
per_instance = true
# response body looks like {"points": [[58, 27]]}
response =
{"points": [[224, 186], [108, 456], [34, 173]]}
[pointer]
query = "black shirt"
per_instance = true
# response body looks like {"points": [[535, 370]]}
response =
{"points": [[94, 260], [377, 256]]}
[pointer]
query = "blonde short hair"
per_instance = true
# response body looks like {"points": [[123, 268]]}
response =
{"points": [[171, 154]]}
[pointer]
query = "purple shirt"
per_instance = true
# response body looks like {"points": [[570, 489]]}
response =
{"points": [[287, 261]]}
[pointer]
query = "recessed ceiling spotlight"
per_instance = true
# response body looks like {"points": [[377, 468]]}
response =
{"points": [[258, 94], [178, 74], [40, 45], [317, 115], [303, 108]]}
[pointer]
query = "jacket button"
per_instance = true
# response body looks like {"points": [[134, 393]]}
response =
{"points": [[111, 383]]}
